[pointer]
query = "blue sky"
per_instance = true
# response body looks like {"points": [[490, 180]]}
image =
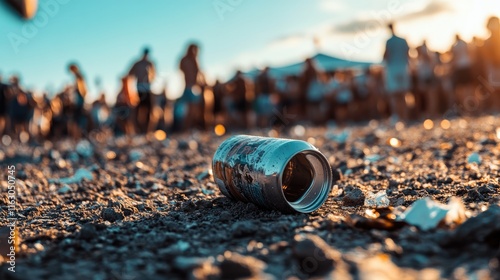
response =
{"points": [[105, 37]]}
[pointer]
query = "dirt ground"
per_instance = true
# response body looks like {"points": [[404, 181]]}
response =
{"points": [[149, 209]]}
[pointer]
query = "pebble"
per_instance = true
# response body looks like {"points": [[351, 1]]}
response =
{"points": [[354, 197], [244, 228], [88, 232], [484, 227], [236, 266], [111, 214], [315, 257]]}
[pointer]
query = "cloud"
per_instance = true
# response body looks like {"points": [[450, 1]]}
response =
{"points": [[382, 18], [433, 8], [288, 41], [332, 5]]}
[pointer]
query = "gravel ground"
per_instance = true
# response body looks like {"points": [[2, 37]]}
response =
{"points": [[116, 208]]}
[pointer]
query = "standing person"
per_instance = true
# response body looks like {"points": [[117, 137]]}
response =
{"points": [[309, 83], [78, 123], [219, 110], [491, 59], [194, 83], [123, 110], [240, 98], [3, 106], [144, 72], [462, 75], [426, 82], [20, 109], [397, 75], [265, 99], [343, 97]]}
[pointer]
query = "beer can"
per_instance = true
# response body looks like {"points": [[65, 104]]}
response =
{"points": [[281, 174]]}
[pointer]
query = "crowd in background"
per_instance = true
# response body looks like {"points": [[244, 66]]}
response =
{"points": [[411, 84]]}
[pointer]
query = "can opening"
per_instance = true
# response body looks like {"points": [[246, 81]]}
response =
{"points": [[297, 177]]}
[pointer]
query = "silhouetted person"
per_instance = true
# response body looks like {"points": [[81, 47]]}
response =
{"points": [[491, 59], [219, 96], [3, 106], [397, 75], [426, 82], [194, 83], [144, 72], [100, 113], [78, 123], [308, 80], [123, 111], [265, 99], [462, 75], [20, 107], [240, 98]]}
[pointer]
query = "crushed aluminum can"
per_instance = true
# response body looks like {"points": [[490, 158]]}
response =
{"points": [[281, 174]]}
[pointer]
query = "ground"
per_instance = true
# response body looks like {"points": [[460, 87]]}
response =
{"points": [[148, 208]]}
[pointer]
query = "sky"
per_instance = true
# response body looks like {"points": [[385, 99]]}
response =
{"points": [[105, 37]]}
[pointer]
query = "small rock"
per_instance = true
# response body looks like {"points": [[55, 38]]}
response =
{"points": [[354, 197], [225, 216], [243, 228], [236, 266], [5, 232], [484, 228], [88, 232], [110, 214], [314, 255], [474, 195], [186, 264]]}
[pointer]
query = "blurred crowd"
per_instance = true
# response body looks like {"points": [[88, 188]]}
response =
{"points": [[410, 84]]}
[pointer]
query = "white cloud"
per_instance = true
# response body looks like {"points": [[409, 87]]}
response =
{"points": [[332, 5]]}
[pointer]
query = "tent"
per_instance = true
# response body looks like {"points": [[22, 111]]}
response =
{"points": [[322, 61]]}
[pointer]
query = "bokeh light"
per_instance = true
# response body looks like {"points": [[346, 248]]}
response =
{"points": [[273, 133], [160, 135], [399, 126], [6, 140], [299, 130], [395, 142], [219, 130], [110, 155], [428, 124], [311, 140], [445, 124]]}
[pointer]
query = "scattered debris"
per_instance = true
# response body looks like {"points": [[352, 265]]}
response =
{"points": [[111, 214], [84, 149], [79, 176], [314, 255], [135, 155], [64, 189], [353, 197], [203, 175], [381, 218], [236, 266], [377, 200], [474, 158], [427, 214], [484, 228]]}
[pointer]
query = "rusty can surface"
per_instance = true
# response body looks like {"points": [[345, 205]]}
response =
{"points": [[281, 174]]}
